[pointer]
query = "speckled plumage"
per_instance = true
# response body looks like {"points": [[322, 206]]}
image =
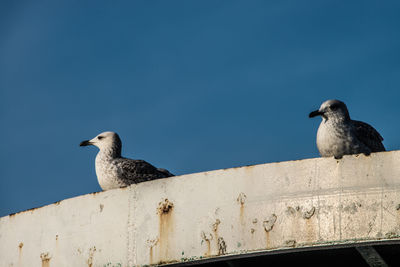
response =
{"points": [[338, 135], [113, 170]]}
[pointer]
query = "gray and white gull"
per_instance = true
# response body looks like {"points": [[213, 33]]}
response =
{"points": [[115, 171], [339, 135]]}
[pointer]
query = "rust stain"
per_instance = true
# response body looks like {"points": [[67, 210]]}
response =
{"points": [[152, 243], [310, 224], [303, 219], [215, 225], [20, 253], [215, 230], [12, 215], [207, 239], [267, 239], [221, 246], [241, 199], [91, 254], [166, 229], [268, 226], [208, 253], [310, 230], [151, 255], [95, 193], [246, 167], [45, 259]]}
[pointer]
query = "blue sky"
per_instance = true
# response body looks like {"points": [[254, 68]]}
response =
{"points": [[189, 86]]}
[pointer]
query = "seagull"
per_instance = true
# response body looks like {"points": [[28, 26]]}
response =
{"points": [[339, 135], [114, 171]]}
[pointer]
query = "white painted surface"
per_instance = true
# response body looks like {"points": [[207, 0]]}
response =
{"points": [[269, 207]]}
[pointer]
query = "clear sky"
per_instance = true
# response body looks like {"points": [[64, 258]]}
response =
{"points": [[189, 86]]}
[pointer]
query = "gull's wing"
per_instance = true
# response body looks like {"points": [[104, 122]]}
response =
{"points": [[135, 171], [369, 136]]}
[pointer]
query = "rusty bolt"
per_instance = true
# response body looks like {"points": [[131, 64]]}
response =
{"points": [[215, 225], [241, 198], [45, 257], [152, 242], [165, 206]]}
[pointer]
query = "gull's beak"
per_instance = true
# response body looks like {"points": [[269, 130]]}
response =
{"points": [[315, 113], [86, 143]]}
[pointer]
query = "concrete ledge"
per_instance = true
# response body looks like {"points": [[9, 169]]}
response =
{"points": [[267, 208]]}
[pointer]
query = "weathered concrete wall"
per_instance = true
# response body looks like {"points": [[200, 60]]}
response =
{"points": [[262, 208]]}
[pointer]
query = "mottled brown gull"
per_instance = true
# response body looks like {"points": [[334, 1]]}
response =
{"points": [[113, 170], [339, 135]]}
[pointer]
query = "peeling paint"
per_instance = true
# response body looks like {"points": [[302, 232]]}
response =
{"points": [[290, 211], [391, 235], [309, 214], [269, 224], [290, 243], [221, 246], [352, 208]]}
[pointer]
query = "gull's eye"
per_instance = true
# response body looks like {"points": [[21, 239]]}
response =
{"points": [[100, 137], [334, 107]]}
